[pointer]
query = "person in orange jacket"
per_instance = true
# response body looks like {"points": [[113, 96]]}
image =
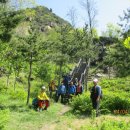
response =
{"points": [[43, 100], [52, 88]]}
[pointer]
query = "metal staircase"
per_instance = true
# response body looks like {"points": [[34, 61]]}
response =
{"points": [[79, 71]]}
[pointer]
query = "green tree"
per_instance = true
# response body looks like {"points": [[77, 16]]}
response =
{"points": [[61, 47], [29, 49], [120, 59], [91, 11], [125, 23], [112, 31], [107, 45], [117, 55]]}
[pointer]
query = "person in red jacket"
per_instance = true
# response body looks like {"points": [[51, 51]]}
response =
{"points": [[79, 88], [43, 100]]}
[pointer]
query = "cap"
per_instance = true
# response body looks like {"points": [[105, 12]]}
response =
{"points": [[95, 80], [43, 87]]}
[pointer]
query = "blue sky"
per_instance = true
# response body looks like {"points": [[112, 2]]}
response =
{"points": [[108, 10]]}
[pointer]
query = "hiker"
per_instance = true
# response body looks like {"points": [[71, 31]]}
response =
{"points": [[95, 96], [52, 88], [79, 88], [76, 82], [61, 92], [43, 100], [66, 80], [71, 90]]}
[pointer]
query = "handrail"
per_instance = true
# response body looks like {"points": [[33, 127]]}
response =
{"points": [[79, 64], [76, 68], [72, 75], [71, 72], [81, 78]]}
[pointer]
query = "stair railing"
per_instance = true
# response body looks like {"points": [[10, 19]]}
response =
{"points": [[82, 75], [75, 69], [73, 72], [79, 64]]}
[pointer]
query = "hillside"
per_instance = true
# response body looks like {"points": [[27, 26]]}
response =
{"points": [[45, 18], [18, 22]]}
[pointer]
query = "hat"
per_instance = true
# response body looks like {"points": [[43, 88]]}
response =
{"points": [[95, 80], [43, 87]]}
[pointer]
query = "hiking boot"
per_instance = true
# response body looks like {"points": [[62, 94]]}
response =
{"points": [[39, 109], [45, 108]]}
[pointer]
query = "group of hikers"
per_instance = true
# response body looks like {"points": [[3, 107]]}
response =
{"points": [[67, 90]]}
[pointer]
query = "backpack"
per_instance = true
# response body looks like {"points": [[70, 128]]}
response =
{"points": [[35, 102], [101, 96]]}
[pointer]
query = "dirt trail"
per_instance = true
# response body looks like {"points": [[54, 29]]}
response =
{"points": [[52, 125], [64, 109]]}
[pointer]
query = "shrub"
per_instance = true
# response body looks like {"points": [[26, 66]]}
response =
{"points": [[82, 104], [4, 117], [111, 102], [107, 125], [3, 87], [115, 102], [115, 84], [20, 94], [114, 125]]}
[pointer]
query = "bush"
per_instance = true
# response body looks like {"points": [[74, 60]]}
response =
{"points": [[4, 117], [112, 102], [116, 84], [108, 125], [20, 95], [114, 125], [3, 87], [82, 104], [115, 102]]}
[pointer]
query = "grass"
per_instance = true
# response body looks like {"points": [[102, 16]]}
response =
{"points": [[18, 116], [52, 119], [22, 117], [28, 119]]}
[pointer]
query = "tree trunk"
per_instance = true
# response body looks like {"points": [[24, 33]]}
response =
{"points": [[89, 16], [29, 77]]}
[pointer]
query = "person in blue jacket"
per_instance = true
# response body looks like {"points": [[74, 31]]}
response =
{"points": [[61, 92], [71, 90], [66, 80]]}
